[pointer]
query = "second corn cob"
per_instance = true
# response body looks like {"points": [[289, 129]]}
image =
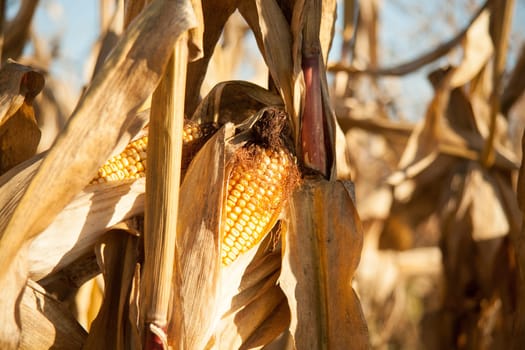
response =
{"points": [[131, 163]]}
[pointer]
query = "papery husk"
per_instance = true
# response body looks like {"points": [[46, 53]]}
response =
{"points": [[234, 101], [214, 300], [46, 323], [112, 329], [321, 250], [257, 323], [196, 279]]}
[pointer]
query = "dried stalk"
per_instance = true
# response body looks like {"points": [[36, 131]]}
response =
{"points": [[502, 15], [162, 190]]}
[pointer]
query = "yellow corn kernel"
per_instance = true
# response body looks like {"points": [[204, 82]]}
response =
{"points": [[257, 187], [131, 163]]}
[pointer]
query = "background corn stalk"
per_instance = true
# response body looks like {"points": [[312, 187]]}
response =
{"points": [[441, 228]]}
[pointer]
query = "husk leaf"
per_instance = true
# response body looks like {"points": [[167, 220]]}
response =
{"points": [[322, 248]]}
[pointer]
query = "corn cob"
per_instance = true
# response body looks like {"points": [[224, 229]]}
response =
{"points": [[257, 188], [131, 163], [262, 175]]}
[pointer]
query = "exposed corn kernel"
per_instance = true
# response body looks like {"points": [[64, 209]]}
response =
{"points": [[256, 189]]}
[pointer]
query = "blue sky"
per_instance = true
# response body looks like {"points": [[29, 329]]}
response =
{"points": [[76, 24]]}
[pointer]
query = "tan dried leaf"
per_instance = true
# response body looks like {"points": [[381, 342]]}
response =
{"points": [[81, 224], [482, 201], [321, 251], [196, 278], [214, 16], [18, 83], [274, 39]]}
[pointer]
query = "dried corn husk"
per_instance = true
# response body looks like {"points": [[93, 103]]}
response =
{"points": [[234, 101], [322, 248], [196, 278]]}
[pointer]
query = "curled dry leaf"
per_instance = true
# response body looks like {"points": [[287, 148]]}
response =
{"points": [[19, 132], [477, 50], [214, 16], [117, 255], [18, 83]]}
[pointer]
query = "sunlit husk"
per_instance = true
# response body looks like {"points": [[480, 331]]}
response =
{"points": [[322, 248], [196, 283]]}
